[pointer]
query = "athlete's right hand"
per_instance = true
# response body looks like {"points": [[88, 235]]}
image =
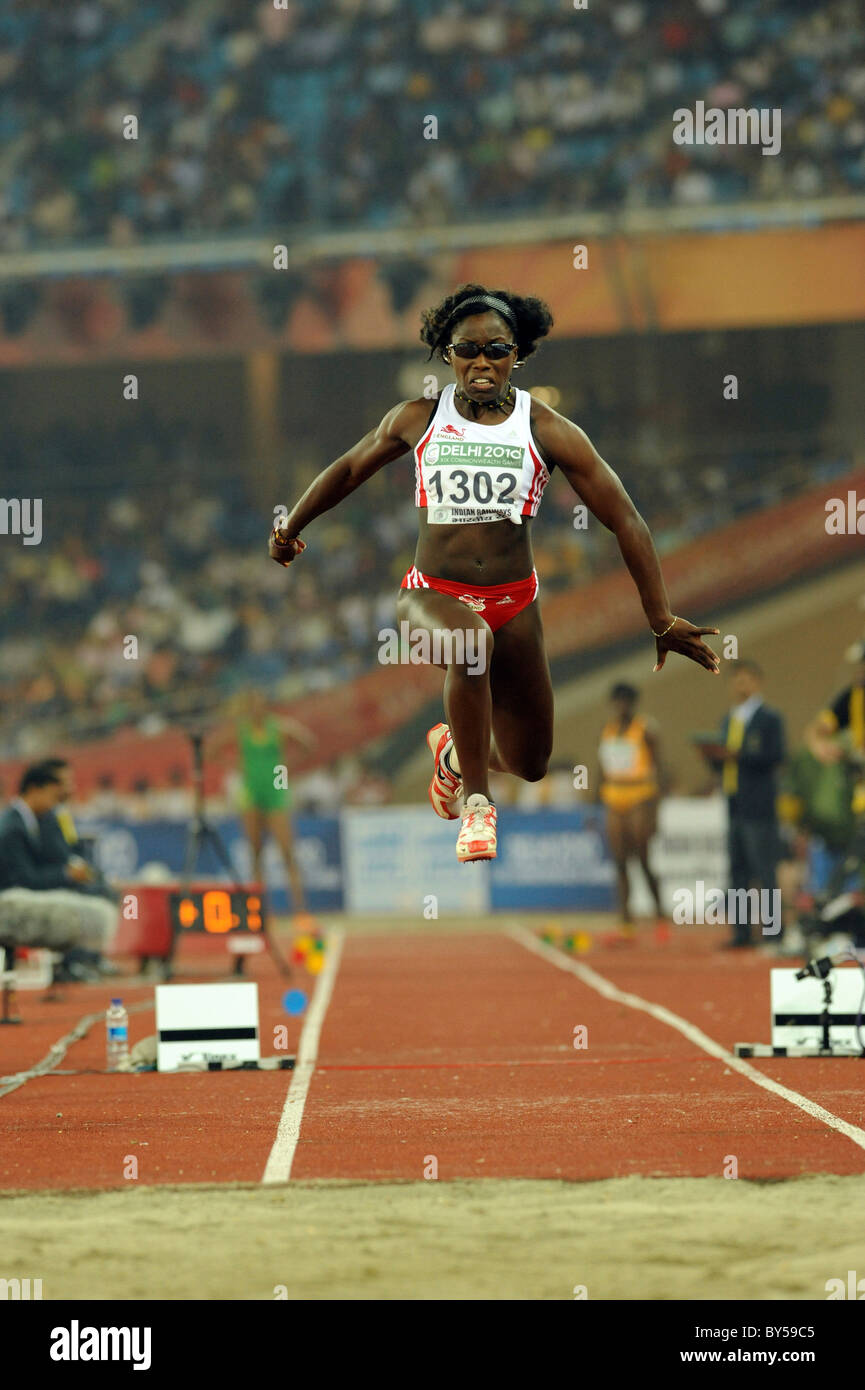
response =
{"points": [[686, 639], [283, 548]]}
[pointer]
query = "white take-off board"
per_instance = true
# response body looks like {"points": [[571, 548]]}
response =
{"points": [[797, 1006], [197, 1024]]}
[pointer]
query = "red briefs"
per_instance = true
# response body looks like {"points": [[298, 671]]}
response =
{"points": [[497, 603]]}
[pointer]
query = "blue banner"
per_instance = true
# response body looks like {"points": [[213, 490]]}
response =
{"points": [[124, 848], [402, 860], [391, 860], [555, 859]]}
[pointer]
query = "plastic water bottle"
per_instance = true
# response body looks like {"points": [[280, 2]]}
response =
{"points": [[116, 1035]]}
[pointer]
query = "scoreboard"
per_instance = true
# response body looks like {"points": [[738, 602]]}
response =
{"points": [[215, 911]]}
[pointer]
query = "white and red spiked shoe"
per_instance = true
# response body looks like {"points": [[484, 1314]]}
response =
{"points": [[445, 789], [477, 837]]}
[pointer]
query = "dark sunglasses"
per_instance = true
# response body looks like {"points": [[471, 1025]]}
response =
{"points": [[494, 351]]}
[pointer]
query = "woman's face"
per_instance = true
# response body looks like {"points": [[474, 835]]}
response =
{"points": [[256, 704], [483, 378], [623, 708]]}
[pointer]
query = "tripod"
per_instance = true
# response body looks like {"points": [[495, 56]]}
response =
{"points": [[201, 833], [826, 1016]]}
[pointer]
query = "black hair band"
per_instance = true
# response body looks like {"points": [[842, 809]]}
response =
{"points": [[485, 301]]}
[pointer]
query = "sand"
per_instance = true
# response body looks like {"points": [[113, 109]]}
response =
{"points": [[625, 1238]]}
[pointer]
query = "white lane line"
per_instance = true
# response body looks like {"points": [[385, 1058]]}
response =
{"points": [[688, 1030], [281, 1157]]}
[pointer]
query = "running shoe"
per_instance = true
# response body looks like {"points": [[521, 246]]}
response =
{"points": [[477, 837], [445, 789]]}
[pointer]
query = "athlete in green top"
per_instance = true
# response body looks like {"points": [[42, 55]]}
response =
{"points": [[265, 802]]}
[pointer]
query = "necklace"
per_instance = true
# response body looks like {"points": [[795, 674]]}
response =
{"points": [[506, 399]]}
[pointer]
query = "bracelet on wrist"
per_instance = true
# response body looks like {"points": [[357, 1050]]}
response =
{"points": [[666, 629]]}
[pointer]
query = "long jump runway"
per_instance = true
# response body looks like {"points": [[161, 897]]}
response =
{"points": [[462, 1051], [452, 1055]]}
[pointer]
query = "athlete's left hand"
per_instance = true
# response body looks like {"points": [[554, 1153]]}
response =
{"points": [[685, 639], [283, 548]]}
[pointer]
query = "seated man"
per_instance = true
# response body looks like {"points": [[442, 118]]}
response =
{"points": [[38, 902], [60, 844]]}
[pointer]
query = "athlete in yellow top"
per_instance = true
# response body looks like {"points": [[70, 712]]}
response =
{"points": [[629, 788]]}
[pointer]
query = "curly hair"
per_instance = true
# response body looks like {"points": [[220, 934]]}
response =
{"points": [[533, 319]]}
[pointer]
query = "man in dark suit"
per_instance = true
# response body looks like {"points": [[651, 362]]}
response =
{"points": [[22, 860], [60, 844], [38, 904], [754, 748]]}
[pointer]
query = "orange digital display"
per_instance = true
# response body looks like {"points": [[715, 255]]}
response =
{"points": [[216, 911], [188, 913]]}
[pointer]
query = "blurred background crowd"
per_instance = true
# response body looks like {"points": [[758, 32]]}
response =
{"points": [[312, 113]]}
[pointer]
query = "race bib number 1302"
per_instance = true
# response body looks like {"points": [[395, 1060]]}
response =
{"points": [[471, 476]]}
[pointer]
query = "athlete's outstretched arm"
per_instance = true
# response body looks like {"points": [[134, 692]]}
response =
{"points": [[566, 445], [382, 445]]}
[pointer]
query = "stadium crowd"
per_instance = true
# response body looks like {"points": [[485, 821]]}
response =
{"points": [[541, 107]]}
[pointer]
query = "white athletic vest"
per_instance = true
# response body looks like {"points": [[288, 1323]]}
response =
{"points": [[469, 472]]}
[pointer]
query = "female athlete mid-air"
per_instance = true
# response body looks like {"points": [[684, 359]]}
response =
{"points": [[483, 456]]}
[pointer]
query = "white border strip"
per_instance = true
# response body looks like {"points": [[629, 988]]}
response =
{"points": [[688, 1030], [281, 1157]]}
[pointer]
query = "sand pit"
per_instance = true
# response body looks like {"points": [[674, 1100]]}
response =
{"points": [[627, 1238]]}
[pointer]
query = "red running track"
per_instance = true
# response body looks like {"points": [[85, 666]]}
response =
{"points": [[463, 1049], [458, 1047]]}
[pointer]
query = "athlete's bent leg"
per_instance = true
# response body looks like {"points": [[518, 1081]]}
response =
{"points": [[465, 643], [522, 698]]}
